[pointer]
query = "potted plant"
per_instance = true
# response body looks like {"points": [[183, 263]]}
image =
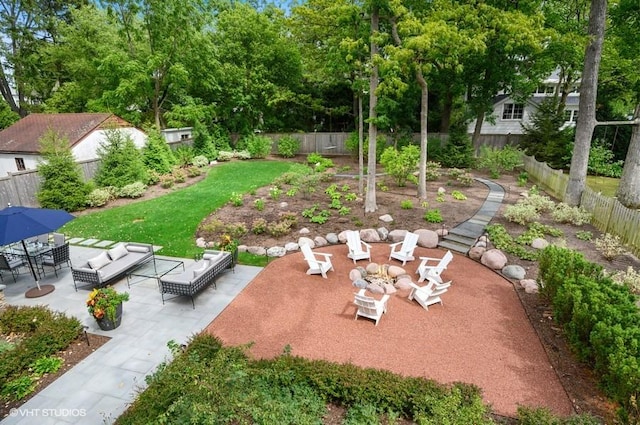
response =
{"points": [[228, 244], [105, 305]]}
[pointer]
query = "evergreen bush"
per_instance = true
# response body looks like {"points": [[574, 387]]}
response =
{"points": [[121, 162], [62, 184], [156, 154]]}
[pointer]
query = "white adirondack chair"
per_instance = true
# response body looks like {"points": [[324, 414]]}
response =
{"points": [[433, 272], [403, 251], [426, 295], [369, 307], [319, 263], [358, 249]]}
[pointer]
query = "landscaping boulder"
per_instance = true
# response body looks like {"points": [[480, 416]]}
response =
{"points": [[276, 251], [375, 289], [303, 240], [395, 271], [320, 241], [360, 283], [513, 271], [530, 286], [383, 233], [332, 238], [342, 236], [201, 243], [442, 232], [396, 235], [304, 231], [494, 259], [369, 236], [481, 244], [386, 218], [389, 289], [539, 243], [363, 272], [404, 284], [372, 268], [291, 246], [355, 274], [256, 250], [476, 252], [427, 238]]}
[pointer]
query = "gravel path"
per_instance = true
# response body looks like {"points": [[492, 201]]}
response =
{"points": [[480, 336]]}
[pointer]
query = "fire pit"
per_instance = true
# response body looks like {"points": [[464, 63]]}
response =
{"points": [[377, 278]]}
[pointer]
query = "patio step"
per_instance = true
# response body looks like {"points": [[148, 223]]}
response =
{"points": [[454, 246]]}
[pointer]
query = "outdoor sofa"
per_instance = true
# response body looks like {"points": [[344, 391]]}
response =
{"points": [[197, 276], [108, 265]]}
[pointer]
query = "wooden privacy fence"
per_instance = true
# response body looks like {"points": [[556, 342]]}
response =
{"points": [[607, 214], [20, 188]]}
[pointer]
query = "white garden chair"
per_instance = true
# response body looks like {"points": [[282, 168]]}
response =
{"points": [[403, 251], [358, 250], [319, 263], [434, 271], [369, 307]]}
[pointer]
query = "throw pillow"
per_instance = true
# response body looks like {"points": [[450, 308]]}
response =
{"points": [[201, 268], [214, 258], [118, 251], [136, 248], [99, 261]]}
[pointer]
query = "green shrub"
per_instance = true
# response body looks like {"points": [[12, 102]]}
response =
{"points": [[288, 146], [156, 153], [121, 163], [200, 161], [459, 196], [351, 144], [401, 164], [259, 204], [258, 146], [192, 171], [564, 213], [433, 171], [243, 154], [609, 246], [62, 185], [225, 156], [407, 204], [236, 199], [133, 190], [497, 161], [167, 181], [521, 213], [275, 192], [433, 216], [184, 155], [601, 161], [259, 226], [541, 203], [318, 162], [584, 235], [99, 197]]}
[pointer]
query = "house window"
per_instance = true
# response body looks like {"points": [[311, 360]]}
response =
{"points": [[571, 115], [20, 164], [184, 137], [512, 111], [545, 90]]}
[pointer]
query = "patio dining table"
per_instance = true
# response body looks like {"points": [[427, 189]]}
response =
{"points": [[34, 251]]}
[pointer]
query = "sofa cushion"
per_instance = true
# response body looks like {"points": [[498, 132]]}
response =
{"points": [[214, 258], [117, 252], [99, 261], [137, 248], [200, 267]]}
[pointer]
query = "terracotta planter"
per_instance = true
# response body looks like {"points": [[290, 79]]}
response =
{"points": [[107, 324]]}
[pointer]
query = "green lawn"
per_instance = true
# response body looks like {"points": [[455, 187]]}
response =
{"points": [[171, 220], [606, 185]]}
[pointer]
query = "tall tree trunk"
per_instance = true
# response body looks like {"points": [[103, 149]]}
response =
{"points": [[360, 146], [5, 89], [587, 106], [629, 188], [370, 204], [422, 174], [476, 130]]}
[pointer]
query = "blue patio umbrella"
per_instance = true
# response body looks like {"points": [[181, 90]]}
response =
{"points": [[20, 223]]}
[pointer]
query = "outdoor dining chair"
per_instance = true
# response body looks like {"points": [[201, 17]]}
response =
{"points": [[11, 264], [57, 257]]}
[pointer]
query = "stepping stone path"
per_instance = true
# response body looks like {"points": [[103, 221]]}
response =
{"points": [[462, 237]]}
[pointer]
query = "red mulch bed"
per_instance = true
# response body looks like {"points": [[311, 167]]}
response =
{"points": [[480, 336]]}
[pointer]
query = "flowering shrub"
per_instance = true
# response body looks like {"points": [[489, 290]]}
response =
{"points": [[133, 190], [577, 216], [99, 197], [609, 246], [521, 213]]}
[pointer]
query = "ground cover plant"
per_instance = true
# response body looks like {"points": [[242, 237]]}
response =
{"points": [[155, 220]]}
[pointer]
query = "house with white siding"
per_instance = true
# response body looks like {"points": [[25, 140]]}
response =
{"points": [[511, 115], [20, 143]]}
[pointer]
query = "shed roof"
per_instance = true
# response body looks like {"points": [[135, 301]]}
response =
{"points": [[24, 136]]}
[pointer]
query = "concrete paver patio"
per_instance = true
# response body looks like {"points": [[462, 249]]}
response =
{"points": [[100, 388]]}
